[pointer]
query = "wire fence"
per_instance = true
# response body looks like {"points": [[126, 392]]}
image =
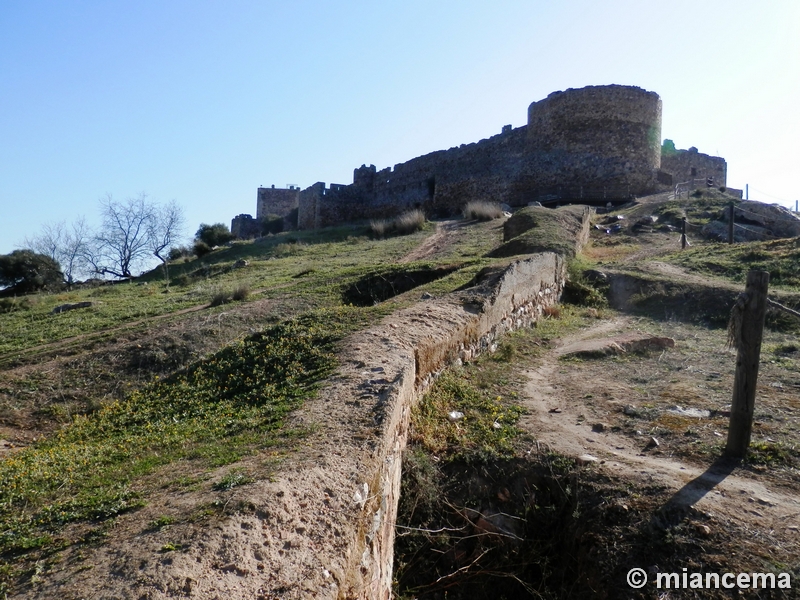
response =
{"points": [[753, 230], [687, 186], [786, 219]]}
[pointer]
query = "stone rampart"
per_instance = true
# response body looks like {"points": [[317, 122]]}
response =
{"points": [[594, 144], [596, 136], [421, 341], [687, 165], [323, 524], [274, 201]]}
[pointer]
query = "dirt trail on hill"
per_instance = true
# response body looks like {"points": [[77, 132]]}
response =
{"points": [[560, 418], [441, 239]]}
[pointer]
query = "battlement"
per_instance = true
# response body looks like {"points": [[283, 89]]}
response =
{"points": [[596, 142]]}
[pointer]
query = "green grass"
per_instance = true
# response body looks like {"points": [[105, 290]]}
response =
{"points": [[487, 427], [537, 229], [309, 266], [113, 305], [485, 391], [781, 258], [222, 408], [214, 412], [697, 210], [326, 257]]}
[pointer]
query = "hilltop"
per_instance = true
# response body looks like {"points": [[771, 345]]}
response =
{"points": [[163, 423]]}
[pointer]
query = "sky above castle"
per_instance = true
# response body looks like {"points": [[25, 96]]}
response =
{"points": [[203, 102]]}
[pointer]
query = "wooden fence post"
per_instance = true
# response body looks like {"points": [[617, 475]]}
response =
{"points": [[683, 233], [747, 320]]}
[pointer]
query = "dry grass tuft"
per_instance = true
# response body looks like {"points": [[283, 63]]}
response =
{"points": [[378, 227], [219, 297], [241, 292], [482, 210], [553, 312], [407, 223]]}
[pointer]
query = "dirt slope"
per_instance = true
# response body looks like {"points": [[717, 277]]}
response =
{"points": [[578, 409]]}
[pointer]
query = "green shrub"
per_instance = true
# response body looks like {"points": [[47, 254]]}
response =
{"points": [[214, 235], [178, 252], [581, 293], [181, 280], [25, 271], [201, 249], [9, 305], [272, 224]]}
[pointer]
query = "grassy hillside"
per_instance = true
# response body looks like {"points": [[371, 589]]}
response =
{"points": [[106, 405], [781, 258]]}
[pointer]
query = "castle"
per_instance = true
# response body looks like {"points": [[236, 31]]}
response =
{"points": [[591, 145]]}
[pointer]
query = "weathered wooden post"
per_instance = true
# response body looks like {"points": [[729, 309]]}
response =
{"points": [[683, 233], [746, 331], [730, 222]]}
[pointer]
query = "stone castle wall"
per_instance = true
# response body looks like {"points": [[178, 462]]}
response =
{"points": [[276, 201], [686, 165], [596, 143], [438, 183], [244, 226], [596, 136]]}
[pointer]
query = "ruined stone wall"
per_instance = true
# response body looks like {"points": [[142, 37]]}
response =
{"points": [[439, 183], [446, 180], [686, 165], [596, 136], [276, 201], [588, 144], [308, 205], [511, 299], [245, 226]]}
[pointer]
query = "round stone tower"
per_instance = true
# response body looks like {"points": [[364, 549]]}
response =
{"points": [[599, 138]]}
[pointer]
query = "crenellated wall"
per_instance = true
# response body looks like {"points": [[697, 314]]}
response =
{"points": [[244, 226], [686, 165], [596, 136], [595, 144], [276, 201]]}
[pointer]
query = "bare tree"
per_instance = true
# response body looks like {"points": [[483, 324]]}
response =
{"points": [[132, 231], [66, 244], [123, 241], [166, 230]]}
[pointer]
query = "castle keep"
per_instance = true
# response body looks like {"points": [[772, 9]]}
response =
{"points": [[591, 145]]}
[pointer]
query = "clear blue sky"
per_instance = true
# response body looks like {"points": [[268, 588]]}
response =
{"points": [[202, 101]]}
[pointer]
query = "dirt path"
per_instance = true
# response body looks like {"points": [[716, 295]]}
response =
{"points": [[561, 418], [437, 243]]}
